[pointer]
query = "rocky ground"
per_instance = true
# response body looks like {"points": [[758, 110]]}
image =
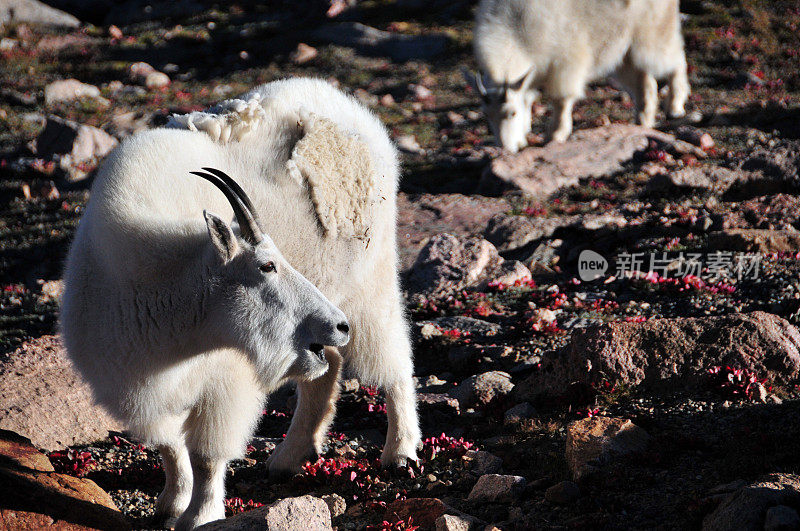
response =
{"points": [[656, 389]]}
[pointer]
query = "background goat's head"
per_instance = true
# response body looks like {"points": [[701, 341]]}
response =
{"points": [[260, 303], [507, 107]]}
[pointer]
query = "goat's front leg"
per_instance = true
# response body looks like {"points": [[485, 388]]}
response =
{"points": [[402, 435], [679, 91], [208, 493], [316, 407], [562, 125], [177, 493]]}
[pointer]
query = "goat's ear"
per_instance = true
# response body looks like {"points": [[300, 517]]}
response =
{"points": [[524, 82], [221, 236]]}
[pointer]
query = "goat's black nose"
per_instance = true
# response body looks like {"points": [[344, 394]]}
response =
{"points": [[343, 327]]}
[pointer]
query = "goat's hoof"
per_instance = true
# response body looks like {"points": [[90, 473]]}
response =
{"points": [[164, 521], [398, 461]]}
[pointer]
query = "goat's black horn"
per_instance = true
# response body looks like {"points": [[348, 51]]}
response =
{"points": [[251, 232]]}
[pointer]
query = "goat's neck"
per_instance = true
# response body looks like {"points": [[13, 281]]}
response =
{"points": [[176, 305]]}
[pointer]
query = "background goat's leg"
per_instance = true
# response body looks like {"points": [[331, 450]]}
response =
{"points": [[679, 90], [316, 407], [379, 353]]}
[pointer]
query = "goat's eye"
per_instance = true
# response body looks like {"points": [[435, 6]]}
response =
{"points": [[269, 267]]}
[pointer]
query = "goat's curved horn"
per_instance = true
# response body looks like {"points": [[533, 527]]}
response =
{"points": [[251, 232], [237, 189]]}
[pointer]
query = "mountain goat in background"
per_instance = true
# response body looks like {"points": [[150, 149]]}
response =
{"points": [[522, 46], [182, 325]]}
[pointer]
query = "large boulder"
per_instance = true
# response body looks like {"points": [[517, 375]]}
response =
{"points": [[304, 512], [508, 233], [448, 264], [541, 171], [748, 508], [43, 398], [672, 353], [755, 240], [34, 496], [34, 12], [420, 216]]}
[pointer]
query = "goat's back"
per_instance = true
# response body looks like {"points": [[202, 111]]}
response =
{"points": [[511, 36]]}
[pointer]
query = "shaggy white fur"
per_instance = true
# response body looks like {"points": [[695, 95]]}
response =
{"points": [[170, 318], [558, 47], [338, 169], [230, 120]]}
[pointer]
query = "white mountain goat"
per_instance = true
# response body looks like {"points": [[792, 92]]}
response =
{"points": [[182, 326], [557, 47]]}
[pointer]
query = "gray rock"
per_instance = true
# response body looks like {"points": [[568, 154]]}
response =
{"points": [[563, 493], [371, 41], [755, 240], [34, 12], [541, 171], [422, 216], [746, 508], [781, 518], [497, 488], [72, 144], [66, 90], [288, 514], [462, 356], [336, 504], [475, 327], [484, 462], [447, 264], [483, 388], [451, 522], [712, 178], [430, 402], [508, 233]]}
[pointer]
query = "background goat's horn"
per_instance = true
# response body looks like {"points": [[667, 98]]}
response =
{"points": [[251, 232]]}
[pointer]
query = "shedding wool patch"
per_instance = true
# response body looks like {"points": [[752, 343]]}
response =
{"points": [[229, 121], [339, 172]]}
